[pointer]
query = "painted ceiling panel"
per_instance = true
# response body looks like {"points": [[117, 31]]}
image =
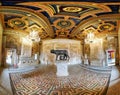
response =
{"points": [[61, 19]]}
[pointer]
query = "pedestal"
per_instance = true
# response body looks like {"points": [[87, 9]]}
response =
{"points": [[86, 61], [62, 68]]}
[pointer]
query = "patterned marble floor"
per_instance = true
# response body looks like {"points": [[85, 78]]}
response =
{"points": [[114, 86]]}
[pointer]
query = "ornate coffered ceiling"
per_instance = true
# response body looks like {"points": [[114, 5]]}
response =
{"points": [[60, 19]]}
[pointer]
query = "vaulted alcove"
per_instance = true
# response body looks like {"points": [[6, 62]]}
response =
{"points": [[74, 48]]}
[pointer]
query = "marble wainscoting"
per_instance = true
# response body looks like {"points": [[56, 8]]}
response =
{"points": [[27, 61]]}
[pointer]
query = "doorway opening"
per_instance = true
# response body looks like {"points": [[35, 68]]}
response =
{"points": [[11, 57]]}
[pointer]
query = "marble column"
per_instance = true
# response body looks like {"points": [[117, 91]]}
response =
{"points": [[1, 32], [119, 41]]}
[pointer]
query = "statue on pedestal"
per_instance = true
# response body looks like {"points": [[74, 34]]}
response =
{"points": [[62, 59]]}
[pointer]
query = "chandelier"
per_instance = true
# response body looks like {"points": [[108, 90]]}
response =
{"points": [[90, 36], [34, 36]]}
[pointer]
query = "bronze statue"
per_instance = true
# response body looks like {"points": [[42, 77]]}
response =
{"points": [[61, 54]]}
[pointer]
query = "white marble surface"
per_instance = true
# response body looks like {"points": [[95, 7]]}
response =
{"points": [[62, 68], [86, 61]]}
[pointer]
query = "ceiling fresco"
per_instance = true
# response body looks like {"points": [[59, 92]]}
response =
{"points": [[57, 19]]}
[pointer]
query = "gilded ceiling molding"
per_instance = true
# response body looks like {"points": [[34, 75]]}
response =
{"points": [[59, 19], [72, 9], [40, 19], [16, 23], [59, 8], [112, 3], [15, 32], [43, 7], [1, 22], [62, 33], [92, 21], [106, 27], [63, 23]]}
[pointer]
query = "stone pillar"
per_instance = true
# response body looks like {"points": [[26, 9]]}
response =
{"points": [[1, 32], [119, 41], [117, 51], [4, 50]]}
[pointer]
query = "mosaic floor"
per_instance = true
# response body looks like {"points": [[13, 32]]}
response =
{"points": [[43, 81], [3, 91]]}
